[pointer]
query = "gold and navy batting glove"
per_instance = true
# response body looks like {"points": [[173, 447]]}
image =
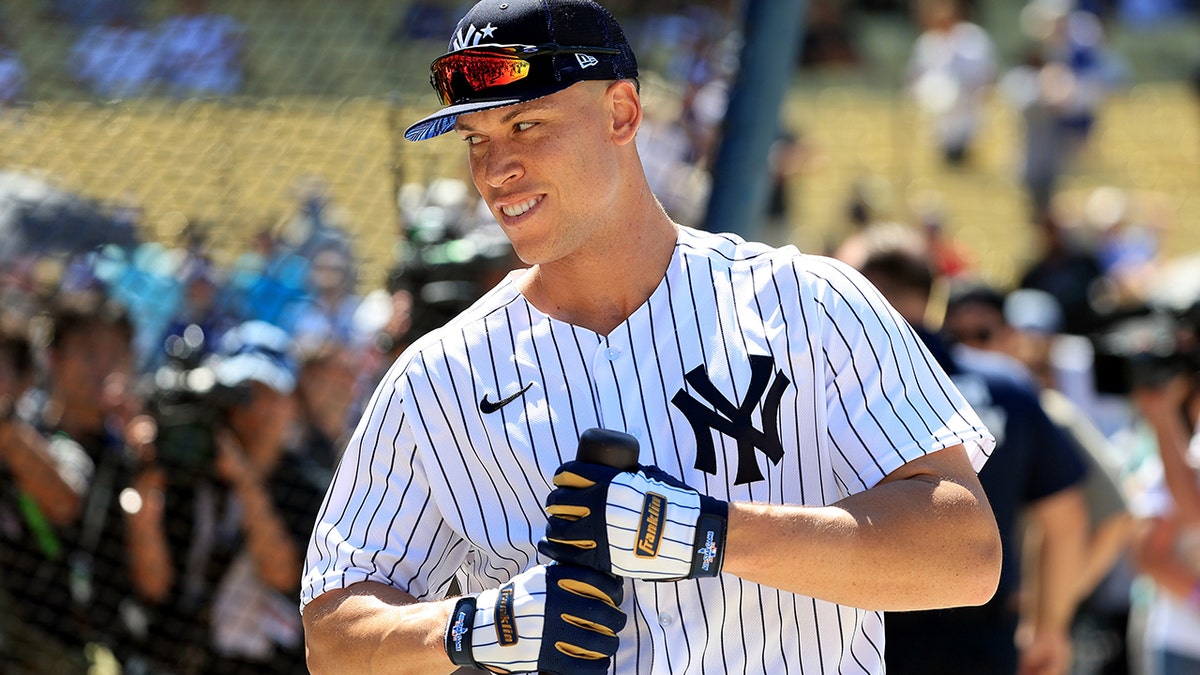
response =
{"points": [[641, 524], [559, 619]]}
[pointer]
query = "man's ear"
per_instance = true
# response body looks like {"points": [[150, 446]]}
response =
{"points": [[626, 111]]}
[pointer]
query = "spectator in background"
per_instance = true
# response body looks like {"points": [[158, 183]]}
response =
{"points": [[318, 222], [1065, 76], [950, 73], [326, 389], [977, 321], [1127, 248], [1033, 472], [828, 41], [116, 59], [1066, 267], [1168, 544], [327, 317], [950, 257], [201, 52], [234, 519], [1075, 40], [974, 328], [789, 155], [27, 467], [1039, 91], [63, 558], [13, 75], [201, 307]]}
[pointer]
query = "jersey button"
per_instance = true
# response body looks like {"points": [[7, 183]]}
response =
{"points": [[613, 353], [635, 432], [665, 619]]}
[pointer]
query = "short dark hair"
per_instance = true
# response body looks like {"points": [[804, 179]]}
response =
{"points": [[975, 294], [78, 314], [899, 268]]}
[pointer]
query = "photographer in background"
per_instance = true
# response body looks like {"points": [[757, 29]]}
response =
{"points": [[227, 514], [1167, 546], [62, 463]]}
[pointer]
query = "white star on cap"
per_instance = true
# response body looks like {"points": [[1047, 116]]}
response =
{"points": [[487, 30]]}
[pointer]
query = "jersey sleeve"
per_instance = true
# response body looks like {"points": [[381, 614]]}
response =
{"points": [[888, 401], [379, 521]]}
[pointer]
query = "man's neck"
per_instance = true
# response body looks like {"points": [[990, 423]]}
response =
{"points": [[601, 291]]}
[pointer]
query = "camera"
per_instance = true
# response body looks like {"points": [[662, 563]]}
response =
{"points": [[187, 404], [452, 254], [1146, 348]]}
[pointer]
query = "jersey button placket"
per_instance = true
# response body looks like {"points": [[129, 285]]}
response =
{"points": [[609, 369]]}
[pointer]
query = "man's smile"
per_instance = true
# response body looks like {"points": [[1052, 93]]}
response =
{"points": [[519, 208]]}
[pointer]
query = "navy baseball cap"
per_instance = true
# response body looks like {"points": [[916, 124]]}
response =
{"points": [[510, 51]]}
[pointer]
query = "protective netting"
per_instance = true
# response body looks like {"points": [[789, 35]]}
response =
{"points": [[179, 178]]}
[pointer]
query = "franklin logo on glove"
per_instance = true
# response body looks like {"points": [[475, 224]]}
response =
{"points": [[650, 533], [615, 521], [506, 622]]}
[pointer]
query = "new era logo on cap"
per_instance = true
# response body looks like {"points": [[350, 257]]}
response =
{"points": [[586, 61]]}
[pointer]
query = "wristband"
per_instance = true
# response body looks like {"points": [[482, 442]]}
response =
{"points": [[710, 538], [458, 633]]}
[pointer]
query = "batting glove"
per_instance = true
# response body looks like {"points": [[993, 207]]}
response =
{"points": [[642, 524], [558, 619]]}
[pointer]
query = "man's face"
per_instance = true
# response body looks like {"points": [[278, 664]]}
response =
{"points": [[547, 168], [262, 423], [84, 362], [977, 325]]}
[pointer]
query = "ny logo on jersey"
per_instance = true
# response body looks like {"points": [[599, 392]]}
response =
{"points": [[734, 420]]}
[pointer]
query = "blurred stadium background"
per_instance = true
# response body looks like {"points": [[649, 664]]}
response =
{"points": [[329, 87], [306, 132]]}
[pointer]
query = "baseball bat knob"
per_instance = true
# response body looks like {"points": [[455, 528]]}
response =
{"points": [[610, 448]]}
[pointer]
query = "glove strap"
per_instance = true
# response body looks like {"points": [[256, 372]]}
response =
{"points": [[711, 527], [458, 633]]}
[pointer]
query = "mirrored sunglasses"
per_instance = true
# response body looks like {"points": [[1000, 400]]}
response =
{"points": [[462, 75]]}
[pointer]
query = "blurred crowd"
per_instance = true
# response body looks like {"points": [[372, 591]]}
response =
{"points": [[117, 53], [168, 423], [1092, 405]]}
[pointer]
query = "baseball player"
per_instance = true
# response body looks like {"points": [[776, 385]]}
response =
{"points": [[803, 463]]}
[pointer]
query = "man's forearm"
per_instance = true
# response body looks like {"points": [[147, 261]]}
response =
{"points": [[1061, 521], [1172, 436], [917, 541], [372, 628]]}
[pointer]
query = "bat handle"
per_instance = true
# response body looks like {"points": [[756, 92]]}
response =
{"points": [[610, 448]]}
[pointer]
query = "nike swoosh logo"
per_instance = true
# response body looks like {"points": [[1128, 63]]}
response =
{"points": [[488, 407]]}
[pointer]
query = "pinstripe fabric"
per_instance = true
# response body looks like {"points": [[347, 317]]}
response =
{"points": [[431, 487]]}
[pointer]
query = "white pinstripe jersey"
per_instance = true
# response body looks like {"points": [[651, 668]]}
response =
{"points": [[432, 487]]}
